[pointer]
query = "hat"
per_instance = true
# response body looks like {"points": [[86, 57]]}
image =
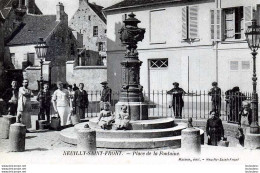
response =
{"points": [[175, 83], [104, 83], [214, 83]]}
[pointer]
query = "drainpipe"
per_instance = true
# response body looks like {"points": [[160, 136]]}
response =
{"points": [[218, 5]]}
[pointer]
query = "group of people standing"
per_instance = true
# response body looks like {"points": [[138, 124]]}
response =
{"points": [[233, 98], [238, 111], [66, 102]]}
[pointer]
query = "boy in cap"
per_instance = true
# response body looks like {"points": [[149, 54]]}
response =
{"points": [[177, 101], [215, 93], [105, 94]]}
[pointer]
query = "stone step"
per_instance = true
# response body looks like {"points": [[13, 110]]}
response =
{"points": [[142, 124], [69, 136], [150, 133], [127, 143]]}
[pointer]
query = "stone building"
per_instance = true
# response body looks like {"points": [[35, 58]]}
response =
{"points": [[1, 50], [12, 11], [91, 22], [190, 42], [62, 42]]}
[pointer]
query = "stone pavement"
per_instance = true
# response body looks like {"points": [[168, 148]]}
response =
{"points": [[46, 148]]}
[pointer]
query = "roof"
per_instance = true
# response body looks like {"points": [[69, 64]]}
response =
{"points": [[2, 19], [34, 26], [98, 10], [140, 3]]}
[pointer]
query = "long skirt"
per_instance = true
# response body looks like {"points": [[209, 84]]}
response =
{"points": [[26, 118], [64, 112]]}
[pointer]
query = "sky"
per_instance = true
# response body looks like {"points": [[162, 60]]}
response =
{"points": [[49, 6]]}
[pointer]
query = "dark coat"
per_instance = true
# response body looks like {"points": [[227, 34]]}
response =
{"points": [[46, 98], [106, 95], [215, 94], [9, 93], [214, 128], [177, 96], [80, 99]]}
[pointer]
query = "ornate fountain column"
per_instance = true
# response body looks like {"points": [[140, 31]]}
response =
{"points": [[131, 91]]}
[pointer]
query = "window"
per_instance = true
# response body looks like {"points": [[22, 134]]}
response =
{"points": [[233, 65], [235, 22], [157, 34], [30, 59], [158, 63], [14, 62], [233, 18], [189, 22], [95, 31], [89, 17], [245, 65], [72, 49], [124, 17], [100, 46]]}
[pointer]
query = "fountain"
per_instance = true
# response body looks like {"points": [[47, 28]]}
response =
{"points": [[143, 133]]}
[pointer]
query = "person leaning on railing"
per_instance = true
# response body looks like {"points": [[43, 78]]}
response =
{"points": [[177, 100], [215, 93]]}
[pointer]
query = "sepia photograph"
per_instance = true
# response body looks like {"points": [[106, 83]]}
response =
{"points": [[171, 84]]}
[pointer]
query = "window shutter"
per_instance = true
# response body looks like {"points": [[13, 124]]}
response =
{"points": [[193, 22], [248, 16], [218, 24], [212, 25], [230, 24], [184, 23], [215, 28], [258, 14]]}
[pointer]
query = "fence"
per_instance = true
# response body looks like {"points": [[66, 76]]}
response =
{"points": [[196, 104]]}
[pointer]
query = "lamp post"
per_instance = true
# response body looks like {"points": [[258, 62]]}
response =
{"points": [[41, 51], [253, 40]]}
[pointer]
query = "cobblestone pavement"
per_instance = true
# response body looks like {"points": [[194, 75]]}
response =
{"points": [[46, 148]]}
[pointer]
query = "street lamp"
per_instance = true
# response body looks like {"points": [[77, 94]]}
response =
{"points": [[41, 51], [253, 40]]}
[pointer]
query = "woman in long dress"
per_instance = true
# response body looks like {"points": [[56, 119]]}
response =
{"points": [[61, 103], [24, 104]]}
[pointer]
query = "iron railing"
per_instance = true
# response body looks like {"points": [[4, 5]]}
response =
{"points": [[197, 104]]}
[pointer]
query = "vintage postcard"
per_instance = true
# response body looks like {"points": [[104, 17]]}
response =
{"points": [[137, 85]]}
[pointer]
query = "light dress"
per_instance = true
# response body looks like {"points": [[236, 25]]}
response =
{"points": [[24, 106], [61, 97]]}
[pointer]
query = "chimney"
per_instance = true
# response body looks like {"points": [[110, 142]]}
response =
{"points": [[60, 11], [30, 4]]}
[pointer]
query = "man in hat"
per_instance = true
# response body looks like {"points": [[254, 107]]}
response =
{"points": [[215, 93], [105, 94], [10, 96], [177, 101], [80, 101]]}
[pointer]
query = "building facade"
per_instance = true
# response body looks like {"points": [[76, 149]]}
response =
{"points": [[91, 22], [20, 48], [194, 43]]}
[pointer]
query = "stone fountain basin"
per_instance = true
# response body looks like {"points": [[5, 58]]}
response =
{"points": [[142, 124], [142, 138]]}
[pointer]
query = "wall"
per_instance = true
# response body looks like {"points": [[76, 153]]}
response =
{"points": [[206, 64], [33, 74], [200, 51], [21, 54], [83, 25], [91, 76]]}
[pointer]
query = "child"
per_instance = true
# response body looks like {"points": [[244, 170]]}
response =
{"points": [[105, 118], [122, 119]]}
